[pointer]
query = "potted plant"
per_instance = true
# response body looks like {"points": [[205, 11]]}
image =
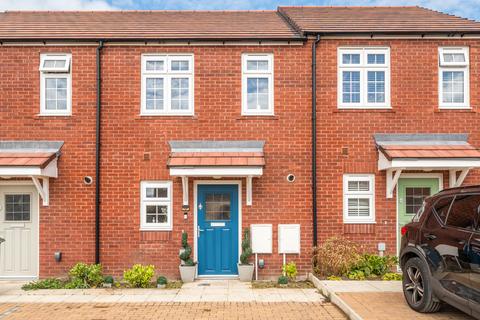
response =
{"points": [[187, 266], [161, 282], [245, 269], [107, 282], [282, 281]]}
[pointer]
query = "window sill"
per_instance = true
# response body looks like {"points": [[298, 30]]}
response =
{"points": [[360, 109], [146, 229], [359, 222], [42, 115], [453, 109], [166, 116], [257, 117]]}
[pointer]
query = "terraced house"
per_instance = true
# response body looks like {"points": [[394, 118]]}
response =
{"points": [[122, 129]]}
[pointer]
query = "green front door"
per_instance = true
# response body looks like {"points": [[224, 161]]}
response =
{"points": [[411, 193]]}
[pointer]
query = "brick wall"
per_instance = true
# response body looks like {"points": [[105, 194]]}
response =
{"points": [[414, 101]]}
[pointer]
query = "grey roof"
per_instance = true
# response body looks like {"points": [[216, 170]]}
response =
{"points": [[217, 146], [421, 139], [31, 146]]}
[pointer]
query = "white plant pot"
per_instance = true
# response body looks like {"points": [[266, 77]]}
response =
{"points": [[107, 285], [161, 286], [245, 272], [187, 273]]}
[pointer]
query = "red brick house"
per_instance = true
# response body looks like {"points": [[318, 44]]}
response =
{"points": [[120, 130]]}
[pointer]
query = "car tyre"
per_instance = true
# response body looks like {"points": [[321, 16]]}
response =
{"points": [[417, 287]]}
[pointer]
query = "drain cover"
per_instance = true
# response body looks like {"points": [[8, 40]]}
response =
{"points": [[204, 284]]}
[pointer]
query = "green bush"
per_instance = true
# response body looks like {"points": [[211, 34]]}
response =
{"points": [[139, 276], [335, 256], [108, 279], [76, 283], [86, 275], [282, 280], [50, 283], [392, 276], [290, 270], [246, 248], [186, 251], [371, 265], [161, 280], [334, 278]]}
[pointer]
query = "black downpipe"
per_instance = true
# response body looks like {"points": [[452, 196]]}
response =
{"points": [[97, 153], [314, 139]]}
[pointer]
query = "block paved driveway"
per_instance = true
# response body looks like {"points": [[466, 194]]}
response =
{"points": [[170, 311]]}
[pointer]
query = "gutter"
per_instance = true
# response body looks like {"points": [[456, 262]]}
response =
{"points": [[314, 139], [97, 151]]}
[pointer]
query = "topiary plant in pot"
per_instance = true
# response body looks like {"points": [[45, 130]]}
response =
{"points": [[245, 268], [187, 266]]}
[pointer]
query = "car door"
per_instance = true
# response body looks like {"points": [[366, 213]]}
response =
{"points": [[445, 238], [475, 264]]}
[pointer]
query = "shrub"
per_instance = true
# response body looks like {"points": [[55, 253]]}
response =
{"points": [[371, 265], [139, 276], [86, 275], [50, 283], [392, 276], [76, 283], [186, 251], [161, 280], [282, 280], [335, 256], [108, 279], [246, 248], [334, 278], [290, 270]]}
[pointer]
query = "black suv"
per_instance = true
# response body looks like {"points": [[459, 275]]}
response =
{"points": [[440, 252]]}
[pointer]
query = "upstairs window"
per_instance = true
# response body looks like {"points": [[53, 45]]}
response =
{"points": [[358, 198], [363, 78], [167, 85], [454, 82], [257, 84], [156, 206], [55, 85]]}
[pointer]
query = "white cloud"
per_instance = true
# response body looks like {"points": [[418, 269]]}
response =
{"points": [[55, 5]]}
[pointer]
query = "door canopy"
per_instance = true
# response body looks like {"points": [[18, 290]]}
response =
{"points": [[425, 152]]}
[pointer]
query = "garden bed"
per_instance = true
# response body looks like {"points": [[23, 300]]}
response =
{"points": [[291, 285]]}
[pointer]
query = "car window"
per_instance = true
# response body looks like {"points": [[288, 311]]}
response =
{"points": [[441, 207], [463, 211]]}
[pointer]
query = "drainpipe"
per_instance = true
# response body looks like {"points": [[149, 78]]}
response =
{"points": [[97, 153], [314, 138]]}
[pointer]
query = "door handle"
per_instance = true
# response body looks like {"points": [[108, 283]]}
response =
{"points": [[430, 236], [198, 231], [2, 240]]}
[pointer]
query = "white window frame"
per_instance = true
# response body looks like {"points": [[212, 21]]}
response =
{"points": [[167, 74], [45, 73], [144, 201], [454, 67], [359, 194], [246, 74], [363, 68]]}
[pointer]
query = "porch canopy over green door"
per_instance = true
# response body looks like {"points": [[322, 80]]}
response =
{"points": [[426, 152]]}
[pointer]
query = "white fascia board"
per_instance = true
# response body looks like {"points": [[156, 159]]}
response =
{"points": [[28, 171], [216, 171], [422, 164]]}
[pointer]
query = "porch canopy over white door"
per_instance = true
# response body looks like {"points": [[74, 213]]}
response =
{"points": [[36, 160], [425, 152], [216, 159]]}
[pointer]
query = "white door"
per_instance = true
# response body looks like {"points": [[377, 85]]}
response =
{"points": [[19, 229]]}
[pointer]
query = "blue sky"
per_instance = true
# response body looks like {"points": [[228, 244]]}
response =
{"points": [[465, 8]]}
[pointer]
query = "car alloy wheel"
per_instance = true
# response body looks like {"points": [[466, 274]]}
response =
{"points": [[414, 285]]}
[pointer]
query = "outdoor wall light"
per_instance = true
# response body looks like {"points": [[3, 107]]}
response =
{"points": [[58, 256], [87, 180], [261, 263], [291, 177]]}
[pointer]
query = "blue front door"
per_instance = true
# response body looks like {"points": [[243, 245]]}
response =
{"points": [[217, 207]]}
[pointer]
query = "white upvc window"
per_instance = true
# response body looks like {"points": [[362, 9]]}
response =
{"points": [[257, 84], [363, 78], [454, 78], [55, 84], [358, 198], [167, 85], [156, 205]]}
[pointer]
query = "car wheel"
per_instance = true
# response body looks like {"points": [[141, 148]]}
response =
{"points": [[417, 287]]}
